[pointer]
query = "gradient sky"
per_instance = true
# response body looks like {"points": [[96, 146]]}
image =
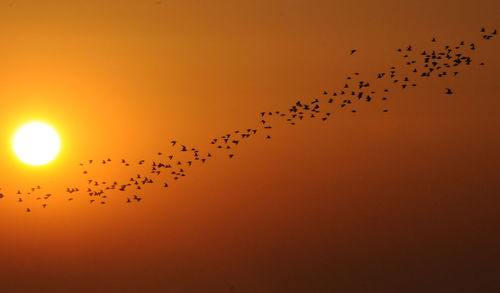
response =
{"points": [[405, 201]]}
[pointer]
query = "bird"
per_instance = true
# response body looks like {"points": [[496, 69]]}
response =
{"points": [[353, 51]]}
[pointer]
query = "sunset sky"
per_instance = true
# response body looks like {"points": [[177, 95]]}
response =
{"points": [[403, 201]]}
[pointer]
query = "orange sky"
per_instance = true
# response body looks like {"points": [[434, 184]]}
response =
{"points": [[404, 201]]}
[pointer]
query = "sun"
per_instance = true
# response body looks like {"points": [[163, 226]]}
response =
{"points": [[36, 143]]}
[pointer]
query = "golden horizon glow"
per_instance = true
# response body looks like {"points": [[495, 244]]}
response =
{"points": [[36, 143]]}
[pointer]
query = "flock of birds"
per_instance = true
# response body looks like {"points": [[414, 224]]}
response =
{"points": [[172, 164]]}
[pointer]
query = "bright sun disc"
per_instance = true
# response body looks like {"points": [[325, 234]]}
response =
{"points": [[36, 143]]}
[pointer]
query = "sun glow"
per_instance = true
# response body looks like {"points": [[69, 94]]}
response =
{"points": [[36, 143]]}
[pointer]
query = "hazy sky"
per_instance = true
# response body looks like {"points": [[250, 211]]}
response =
{"points": [[404, 201]]}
